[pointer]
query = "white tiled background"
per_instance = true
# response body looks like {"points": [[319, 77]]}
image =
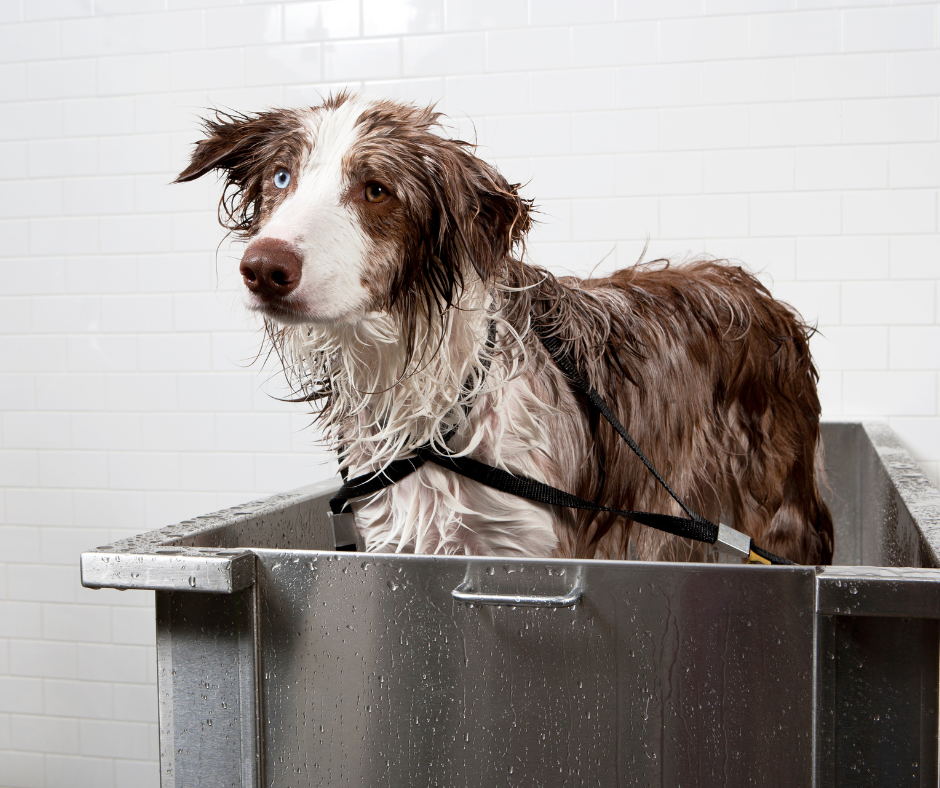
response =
{"points": [[800, 136]]}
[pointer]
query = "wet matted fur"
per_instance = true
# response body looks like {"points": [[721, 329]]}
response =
{"points": [[380, 252]]}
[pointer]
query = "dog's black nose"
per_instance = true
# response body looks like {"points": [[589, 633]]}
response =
{"points": [[271, 268]]}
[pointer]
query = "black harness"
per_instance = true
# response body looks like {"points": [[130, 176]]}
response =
{"points": [[693, 526]]}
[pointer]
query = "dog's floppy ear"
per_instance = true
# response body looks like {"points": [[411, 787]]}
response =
{"points": [[229, 138], [482, 214], [240, 146]]}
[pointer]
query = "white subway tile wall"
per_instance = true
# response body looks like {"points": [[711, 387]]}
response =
{"points": [[799, 137]]}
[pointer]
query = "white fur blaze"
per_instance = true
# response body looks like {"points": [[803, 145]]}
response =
{"points": [[326, 232]]}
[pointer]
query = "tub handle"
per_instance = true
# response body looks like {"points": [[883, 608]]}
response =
{"points": [[464, 593]]}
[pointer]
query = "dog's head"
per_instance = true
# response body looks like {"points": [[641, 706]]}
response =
{"points": [[357, 206]]}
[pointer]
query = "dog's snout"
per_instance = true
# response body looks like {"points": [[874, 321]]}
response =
{"points": [[271, 268]]}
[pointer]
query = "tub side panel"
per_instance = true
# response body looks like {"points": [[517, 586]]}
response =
{"points": [[885, 510], [909, 503], [208, 690], [664, 674], [878, 701]]}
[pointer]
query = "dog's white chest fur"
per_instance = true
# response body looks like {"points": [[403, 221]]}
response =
{"points": [[435, 511], [464, 384]]}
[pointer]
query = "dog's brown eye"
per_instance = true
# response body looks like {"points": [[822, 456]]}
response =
{"points": [[375, 192]]}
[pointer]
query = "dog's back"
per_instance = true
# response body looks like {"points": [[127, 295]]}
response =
{"points": [[714, 380]]}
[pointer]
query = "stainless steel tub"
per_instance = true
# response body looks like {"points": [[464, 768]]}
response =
{"points": [[285, 661]]}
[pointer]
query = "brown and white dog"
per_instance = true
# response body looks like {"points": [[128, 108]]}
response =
{"points": [[380, 254]]}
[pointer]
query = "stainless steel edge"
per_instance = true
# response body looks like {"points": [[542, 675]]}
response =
{"points": [[221, 572], [210, 553], [210, 723], [165, 711], [261, 519], [878, 591]]}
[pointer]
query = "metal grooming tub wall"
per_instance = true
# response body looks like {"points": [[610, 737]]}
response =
{"points": [[286, 659]]}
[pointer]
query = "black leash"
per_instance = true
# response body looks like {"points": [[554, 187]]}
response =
{"points": [[693, 527], [553, 346]]}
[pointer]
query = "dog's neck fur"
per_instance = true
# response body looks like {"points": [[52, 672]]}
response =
{"points": [[375, 415], [382, 404]]}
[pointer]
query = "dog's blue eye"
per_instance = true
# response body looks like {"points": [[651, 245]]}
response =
{"points": [[282, 178]]}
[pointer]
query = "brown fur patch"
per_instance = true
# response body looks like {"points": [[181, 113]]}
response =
{"points": [[713, 379]]}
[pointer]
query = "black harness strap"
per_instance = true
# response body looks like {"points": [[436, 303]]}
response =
{"points": [[553, 346], [369, 483], [694, 527], [532, 490]]}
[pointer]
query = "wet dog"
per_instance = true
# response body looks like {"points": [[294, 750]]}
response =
{"points": [[383, 255]]}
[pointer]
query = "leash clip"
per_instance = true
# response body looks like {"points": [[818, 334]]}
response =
{"points": [[732, 542]]}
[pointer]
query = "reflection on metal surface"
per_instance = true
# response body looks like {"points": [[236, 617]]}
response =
{"points": [[288, 664], [886, 511]]}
